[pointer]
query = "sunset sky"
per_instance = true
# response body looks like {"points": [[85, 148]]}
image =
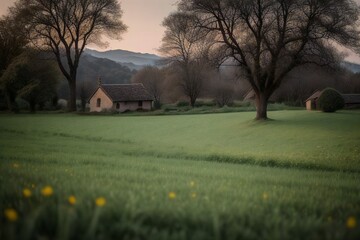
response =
{"points": [[144, 18]]}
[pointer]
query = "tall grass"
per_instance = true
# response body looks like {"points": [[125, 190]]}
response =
{"points": [[297, 138], [135, 162], [183, 108]]}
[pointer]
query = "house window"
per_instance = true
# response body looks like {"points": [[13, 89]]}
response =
{"points": [[140, 103], [98, 102], [117, 105]]}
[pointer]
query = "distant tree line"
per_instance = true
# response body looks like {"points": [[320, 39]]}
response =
{"points": [[225, 85], [279, 50]]}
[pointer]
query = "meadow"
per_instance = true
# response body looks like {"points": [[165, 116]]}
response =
{"points": [[211, 176]]}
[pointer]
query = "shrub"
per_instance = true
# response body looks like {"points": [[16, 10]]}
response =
{"points": [[224, 96], [62, 104], [157, 104], [330, 100], [169, 107], [243, 104], [22, 104], [205, 103], [182, 104]]}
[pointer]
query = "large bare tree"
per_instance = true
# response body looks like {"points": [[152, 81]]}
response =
{"points": [[66, 26], [269, 38]]}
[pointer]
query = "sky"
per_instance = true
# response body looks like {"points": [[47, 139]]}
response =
{"points": [[144, 19]]}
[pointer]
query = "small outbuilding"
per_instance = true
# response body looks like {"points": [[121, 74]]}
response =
{"points": [[351, 100], [311, 102], [120, 98]]}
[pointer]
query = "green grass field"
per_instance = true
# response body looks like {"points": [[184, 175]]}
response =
{"points": [[213, 176]]}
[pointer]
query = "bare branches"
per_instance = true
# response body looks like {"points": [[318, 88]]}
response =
{"points": [[192, 49]]}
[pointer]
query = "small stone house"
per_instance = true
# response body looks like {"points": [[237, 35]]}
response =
{"points": [[311, 102], [120, 98], [351, 100]]}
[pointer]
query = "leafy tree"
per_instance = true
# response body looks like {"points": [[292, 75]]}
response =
{"points": [[267, 39], [12, 43], [32, 78], [66, 26]]}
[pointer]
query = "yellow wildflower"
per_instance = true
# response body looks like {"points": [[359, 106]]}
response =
{"points": [[351, 222], [11, 214], [27, 193], [265, 196], [100, 201], [192, 184], [193, 195], [15, 165], [172, 195], [72, 200], [47, 191]]}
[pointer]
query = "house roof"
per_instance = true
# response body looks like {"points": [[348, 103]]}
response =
{"points": [[315, 95], [125, 92], [351, 98]]}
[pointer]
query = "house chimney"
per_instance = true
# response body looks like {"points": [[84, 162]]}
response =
{"points": [[99, 81]]}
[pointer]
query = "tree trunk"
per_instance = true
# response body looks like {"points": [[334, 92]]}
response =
{"points": [[32, 104], [192, 102], [10, 101], [261, 106], [83, 97], [157, 104], [83, 104], [72, 98]]}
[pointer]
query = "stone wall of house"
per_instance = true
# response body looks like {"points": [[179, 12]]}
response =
{"points": [[105, 102], [132, 106], [308, 105]]}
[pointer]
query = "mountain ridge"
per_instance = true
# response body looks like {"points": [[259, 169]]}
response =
{"points": [[133, 60], [138, 60]]}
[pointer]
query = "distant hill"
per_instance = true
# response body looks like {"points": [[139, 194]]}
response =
{"points": [[91, 68], [355, 68], [130, 59]]}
